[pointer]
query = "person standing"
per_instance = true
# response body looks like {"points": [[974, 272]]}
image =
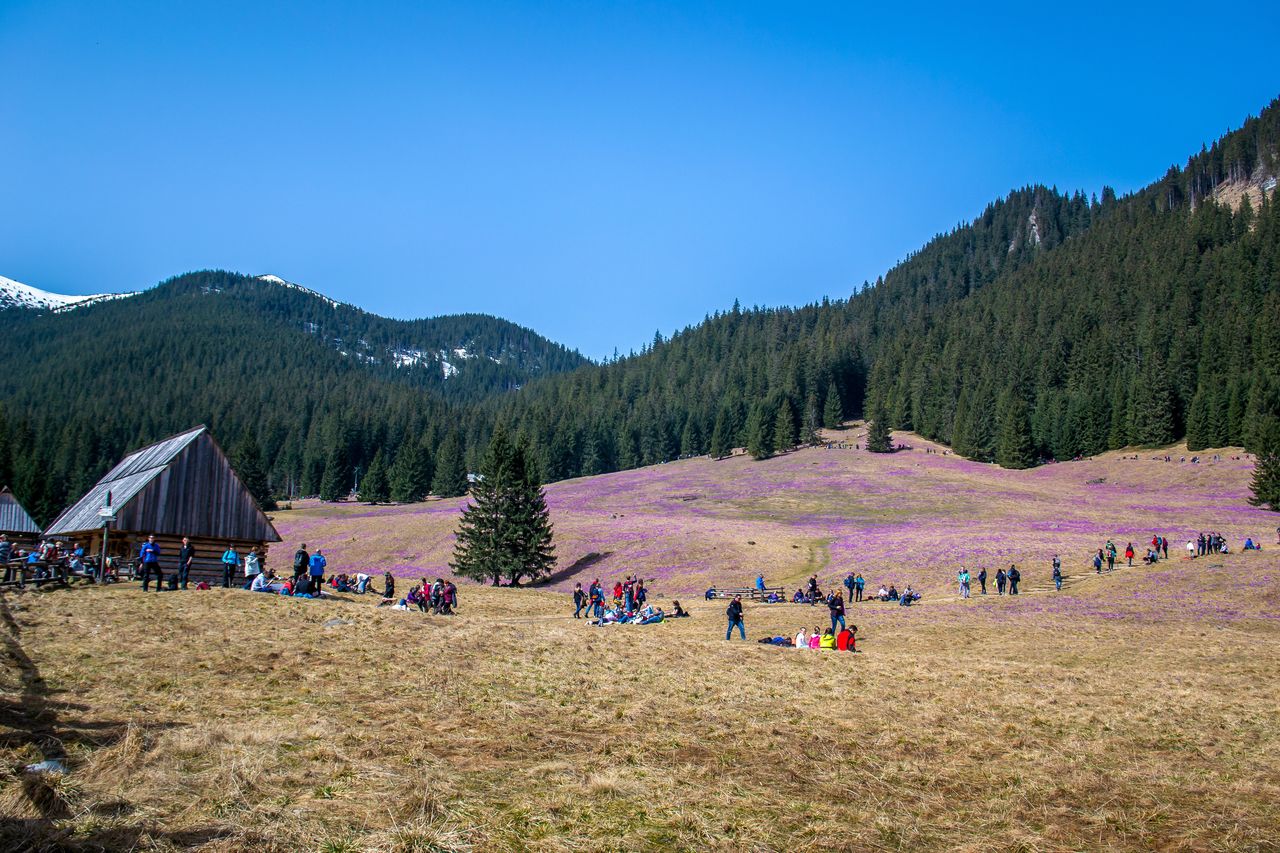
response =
{"points": [[1097, 562], [858, 585], [6, 552], [1164, 546], [1128, 553], [252, 567], [734, 612], [982, 579], [836, 606], [579, 600], [1000, 581], [760, 585], [848, 584], [186, 554], [149, 557], [230, 561], [1014, 577], [316, 570], [1057, 573], [301, 561], [1111, 556]]}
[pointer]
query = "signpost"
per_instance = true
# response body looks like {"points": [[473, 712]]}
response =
{"points": [[107, 515]]}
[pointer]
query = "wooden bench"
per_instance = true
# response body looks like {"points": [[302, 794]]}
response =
{"points": [[751, 593]]}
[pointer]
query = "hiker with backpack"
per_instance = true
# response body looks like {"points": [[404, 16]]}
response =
{"points": [[1014, 577], [301, 561]]}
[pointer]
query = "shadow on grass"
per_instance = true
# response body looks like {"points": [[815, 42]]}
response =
{"points": [[579, 565], [39, 835]]}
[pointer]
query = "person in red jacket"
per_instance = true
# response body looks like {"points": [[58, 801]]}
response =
{"points": [[846, 640]]}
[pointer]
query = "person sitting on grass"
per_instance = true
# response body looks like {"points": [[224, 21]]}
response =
{"points": [[883, 594], [1250, 545], [654, 617], [815, 639], [262, 581], [802, 639], [909, 597], [710, 593], [893, 592], [828, 640], [679, 612], [388, 586], [798, 598], [846, 640]]}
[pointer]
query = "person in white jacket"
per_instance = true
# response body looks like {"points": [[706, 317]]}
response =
{"points": [[802, 640]]}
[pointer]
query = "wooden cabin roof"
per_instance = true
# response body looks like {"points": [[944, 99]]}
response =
{"points": [[182, 486], [13, 516]]}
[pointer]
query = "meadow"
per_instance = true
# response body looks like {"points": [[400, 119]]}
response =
{"points": [[1136, 710]]}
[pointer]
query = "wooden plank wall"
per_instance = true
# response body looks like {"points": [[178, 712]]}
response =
{"points": [[207, 564]]}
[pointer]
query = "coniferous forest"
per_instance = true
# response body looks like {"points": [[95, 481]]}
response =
{"points": [[1052, 326]]}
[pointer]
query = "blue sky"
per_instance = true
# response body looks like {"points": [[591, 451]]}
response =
{"points": [[595, 171]]}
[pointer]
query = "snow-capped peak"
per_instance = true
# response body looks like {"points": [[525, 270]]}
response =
{"points": [[275, 279], [15, 294]]}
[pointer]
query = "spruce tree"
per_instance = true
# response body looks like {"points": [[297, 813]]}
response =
{"points": [[246, 459], [879, 437], [1266, 472], [721, 435], [505, 530], [450, 480], [759, 433], [409, 479], [832, 412], [335, 483], [784, 427], [1014, 447], [374, 487]]}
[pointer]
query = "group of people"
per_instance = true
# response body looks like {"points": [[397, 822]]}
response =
{"points": [[844, 640], [439, 598], [47, 562], [628, 604]]}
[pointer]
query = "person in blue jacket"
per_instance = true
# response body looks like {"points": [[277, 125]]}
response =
{"points": [[318, 564], [230, 560], [149, 557]]}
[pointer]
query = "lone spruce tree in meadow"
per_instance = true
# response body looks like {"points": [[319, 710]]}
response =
{"points": [[879, 438], [1266, 472], [505, 531], [374, 488]]}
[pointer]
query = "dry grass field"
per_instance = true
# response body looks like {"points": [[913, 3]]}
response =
{"points": [[1139, 710]]}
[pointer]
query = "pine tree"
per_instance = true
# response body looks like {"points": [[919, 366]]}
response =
{"points": [[1266, 472], [832, 412], [1014, 447], [335, 483], [690, 439], [374, 488], [879, 438], [246, 459], [759, 433], [784, 427], [505, 531], [450, 480], [409, 479], [721, 435]]}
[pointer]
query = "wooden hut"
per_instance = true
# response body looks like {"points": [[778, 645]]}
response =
{"points": [[182, 486], [15, 523]]}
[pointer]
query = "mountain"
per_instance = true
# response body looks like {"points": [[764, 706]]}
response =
{"points": [[311, 383], [1053, 325], [16, 295]]}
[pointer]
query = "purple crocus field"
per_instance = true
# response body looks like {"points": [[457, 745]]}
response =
{"points": [[908, 518]]}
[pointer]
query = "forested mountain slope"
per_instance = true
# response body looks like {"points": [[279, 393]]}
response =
{"points": [[307, 378]]}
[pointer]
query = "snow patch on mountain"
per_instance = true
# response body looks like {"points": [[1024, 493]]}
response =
{"points": [[275, 279], [15, 294]]}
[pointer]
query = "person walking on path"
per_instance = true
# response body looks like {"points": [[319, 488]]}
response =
{"points": [[1057, 573], [1001, 577], [316, 570], [185, 555], [1111, 556], [301, 562], [149, 557], [230, 560], [836, 606], [1014, 577], [1128, 553], [734, 612], [962, 577], [1097, 562], [579, 600], [982, 579]]}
